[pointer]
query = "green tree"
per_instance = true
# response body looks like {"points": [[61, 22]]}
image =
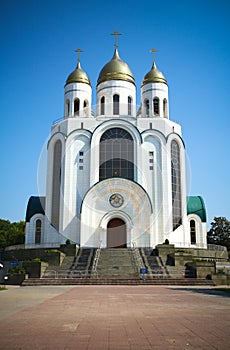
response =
{"points": [[11, 233], [219, 232]]}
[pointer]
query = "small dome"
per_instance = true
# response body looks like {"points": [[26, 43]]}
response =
{"points": [[78, 76], [154, 76], [116, 69]]}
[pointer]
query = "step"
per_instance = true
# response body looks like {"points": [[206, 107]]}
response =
{"points": [[117, 281]]}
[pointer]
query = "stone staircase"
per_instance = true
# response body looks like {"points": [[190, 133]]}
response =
{"points": [[152, 262], [118, 281], [117, 263], [78, 265], [116, 266]]}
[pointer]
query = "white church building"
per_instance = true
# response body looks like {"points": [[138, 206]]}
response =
{"points": [[116, 177]]}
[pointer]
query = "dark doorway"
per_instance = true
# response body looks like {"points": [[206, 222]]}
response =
{"points": [[116, 233]]}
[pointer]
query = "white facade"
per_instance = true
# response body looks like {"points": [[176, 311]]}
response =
{"points": [[117, 178]]}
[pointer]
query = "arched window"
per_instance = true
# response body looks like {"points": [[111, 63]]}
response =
{"points": [[103, 105], [176, 185], [116, 104], [76, 106], [165, 108], [193, 231], [129, 105], [146, 108], [156, 110], [56, 184], [116, 154], [38, 230], [85, 107], [67, 107]]}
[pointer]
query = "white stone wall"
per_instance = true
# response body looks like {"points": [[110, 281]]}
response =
{"points": [[151, 90], [116, 87], [83, 92]]}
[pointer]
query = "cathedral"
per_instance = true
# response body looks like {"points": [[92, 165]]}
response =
{"points": [[116, 176]]}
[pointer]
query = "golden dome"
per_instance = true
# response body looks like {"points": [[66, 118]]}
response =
{"points": [[78, 76], [116, 69], [154, 76]]}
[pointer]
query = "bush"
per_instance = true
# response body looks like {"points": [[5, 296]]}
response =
{"points": [[52, 251], [17, 270]]}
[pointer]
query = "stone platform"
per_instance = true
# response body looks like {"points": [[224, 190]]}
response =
{"points": [[114, 318]]}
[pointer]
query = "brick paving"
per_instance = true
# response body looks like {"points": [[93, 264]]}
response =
{"points": [[114, 318]]}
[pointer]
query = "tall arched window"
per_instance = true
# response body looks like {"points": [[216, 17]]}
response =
{"points": [[38, 230], [116, 104], [76, 106], [156, 107], [67, 107], [176, 185], [165, 108], [116, 154], [146, 108], [85, 107], [56, 184], [129, 105], [193, 231], [103, 105]]}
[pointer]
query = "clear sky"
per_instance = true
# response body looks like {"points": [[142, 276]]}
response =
{"points": [[37, 43]]}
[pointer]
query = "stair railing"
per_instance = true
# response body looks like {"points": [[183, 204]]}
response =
{"points": [[96, 259], [137, 258]]}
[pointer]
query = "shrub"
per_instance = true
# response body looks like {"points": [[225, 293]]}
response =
{"points": [[17, 270]]}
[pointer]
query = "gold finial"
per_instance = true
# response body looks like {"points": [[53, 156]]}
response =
{"points": [[79, 53], [116, 34], [153, 53]]}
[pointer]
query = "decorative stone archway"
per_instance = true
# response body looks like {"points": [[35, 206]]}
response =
{"points": [[116, 233], [116, 198]]}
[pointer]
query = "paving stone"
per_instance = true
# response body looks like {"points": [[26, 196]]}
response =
{"points": [[114, 318]]}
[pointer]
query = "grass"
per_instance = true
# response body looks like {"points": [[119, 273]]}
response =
{"points": [[226, 290], [3, 288]]}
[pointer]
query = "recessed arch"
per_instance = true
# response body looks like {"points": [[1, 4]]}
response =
{"points": [[76, 106], [38, 228], [116, 154], [156, 106], [192, 231], [116, 101], [116, 233]]}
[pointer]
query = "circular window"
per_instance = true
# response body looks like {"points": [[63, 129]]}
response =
{"points": [[116, 200]]}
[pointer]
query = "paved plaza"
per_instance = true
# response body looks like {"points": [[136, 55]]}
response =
{"points": [[114, 318]]}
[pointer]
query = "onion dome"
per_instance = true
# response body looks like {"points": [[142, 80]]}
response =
{"points": [[154, 76], [78, 76], [116, 69]]}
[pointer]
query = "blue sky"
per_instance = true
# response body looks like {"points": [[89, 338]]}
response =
{"points": [[37, 44]]}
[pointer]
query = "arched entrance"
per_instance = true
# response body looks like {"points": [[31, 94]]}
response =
{"points": [[116, 233]]}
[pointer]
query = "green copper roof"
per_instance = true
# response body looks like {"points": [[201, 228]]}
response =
{"points": [[195, 205], [36, 205]]}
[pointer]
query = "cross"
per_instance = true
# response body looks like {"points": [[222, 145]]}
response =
{"points": [[116, 34], [153, 52], [79, 53]]}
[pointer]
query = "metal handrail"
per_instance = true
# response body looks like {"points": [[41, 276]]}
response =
{"points": [[48, 273], [69, 274], [137, 259], [96, 259]]}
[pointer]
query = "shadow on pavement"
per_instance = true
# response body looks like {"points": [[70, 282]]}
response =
{"points": [[206, 291]]}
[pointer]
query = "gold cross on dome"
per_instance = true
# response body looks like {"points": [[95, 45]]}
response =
{"points": [[153, 53], [116, 34], [79, 53]]}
